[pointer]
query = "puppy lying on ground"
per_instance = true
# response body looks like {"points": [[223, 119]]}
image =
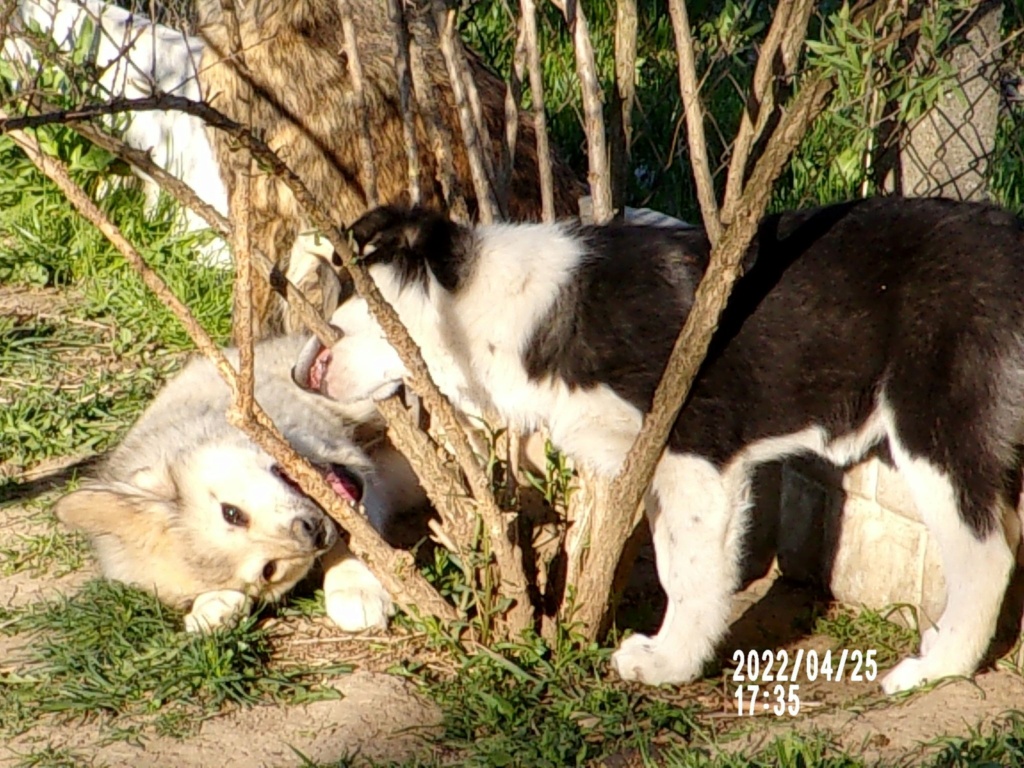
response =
{"points": [[190, 507], [878, 321]]}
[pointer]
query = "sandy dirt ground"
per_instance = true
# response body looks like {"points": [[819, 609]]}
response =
{"points": [[381, 716]]}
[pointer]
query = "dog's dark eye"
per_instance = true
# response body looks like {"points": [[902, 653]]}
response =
{"points": [[234, 515], [269, 570]]}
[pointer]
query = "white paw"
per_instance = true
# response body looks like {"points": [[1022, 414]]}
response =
{"points": [[643, 659], [928, 640], [905, 676], [354, 598], [212, 610], [358, 609]]}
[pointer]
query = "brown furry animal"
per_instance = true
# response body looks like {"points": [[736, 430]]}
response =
{"points": [[302, 103]]}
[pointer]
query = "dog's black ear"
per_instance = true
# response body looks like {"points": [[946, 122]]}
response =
{"points": [[377, 224], [413, 241]]}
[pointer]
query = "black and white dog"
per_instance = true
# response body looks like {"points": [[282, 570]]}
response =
{"points": [[883, 320]]}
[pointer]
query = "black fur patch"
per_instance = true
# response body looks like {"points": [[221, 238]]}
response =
{"points": [[418, 242], [919, 301], [616, 320]]}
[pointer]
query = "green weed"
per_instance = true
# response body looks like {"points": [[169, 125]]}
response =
{"points": [[1001, 745], [117, 651], [53, 552], [865, 629], [531, 703], [789, 751]]}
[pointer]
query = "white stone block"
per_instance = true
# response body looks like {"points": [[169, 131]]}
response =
{"points": [[892, 493], [862, 479], [882, 558]]}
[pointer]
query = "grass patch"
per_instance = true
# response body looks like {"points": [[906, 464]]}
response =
{"points": [[1003, 745], [789, 751], [531, 703], [52, 552], [35, 543], [78, 366], [866, 629], [117, 651], [70, 386], [49, 757]]}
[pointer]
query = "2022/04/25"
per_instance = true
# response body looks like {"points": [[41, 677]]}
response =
{"points": [[755, 669]]}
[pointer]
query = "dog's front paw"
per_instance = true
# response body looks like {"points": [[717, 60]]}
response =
{"points": [[643, 659], [905, 676], [354, 598], [359, 606], [212, 610], [928, 640]]}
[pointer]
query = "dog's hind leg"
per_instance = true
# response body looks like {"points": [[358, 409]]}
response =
{"points": [[695, 525], [977, 569]]}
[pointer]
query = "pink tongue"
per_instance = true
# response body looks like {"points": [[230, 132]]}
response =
{"points": [[343, 486], [319, 368]]}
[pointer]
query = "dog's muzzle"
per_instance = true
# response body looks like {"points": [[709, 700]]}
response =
{"points": [[316, 533], [310, 368]]}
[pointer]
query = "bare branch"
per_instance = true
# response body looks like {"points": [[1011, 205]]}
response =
{"points": [[396, 16], [690, 93], [593, 124], [540, 124], [355, 70], [444, 487], [513, 97], [394, 567], [383, 312], [689, 352], [438, 133], [187, 197], [625, 97], [788, 25], [794, 35], [242, 315], [458, 75]]}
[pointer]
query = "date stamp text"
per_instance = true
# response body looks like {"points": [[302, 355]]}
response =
{"points": [[769, 681]]}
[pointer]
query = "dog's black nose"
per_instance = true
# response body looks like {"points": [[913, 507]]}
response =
{"points": [[319, 534]]}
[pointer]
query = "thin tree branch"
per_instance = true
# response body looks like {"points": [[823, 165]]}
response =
{"points": [[513, 97], [713, 292], [625, 97], [242, 315], [395, 568], [439, 134], [599, 174], [694, 109], [355, 71], [540, 124], [690, 349], [513, 577], [789, 14], [458, 75], [442, 486], [396, 16]]}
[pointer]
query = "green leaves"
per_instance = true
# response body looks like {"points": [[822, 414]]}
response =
{"points": [[117, 650]]}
